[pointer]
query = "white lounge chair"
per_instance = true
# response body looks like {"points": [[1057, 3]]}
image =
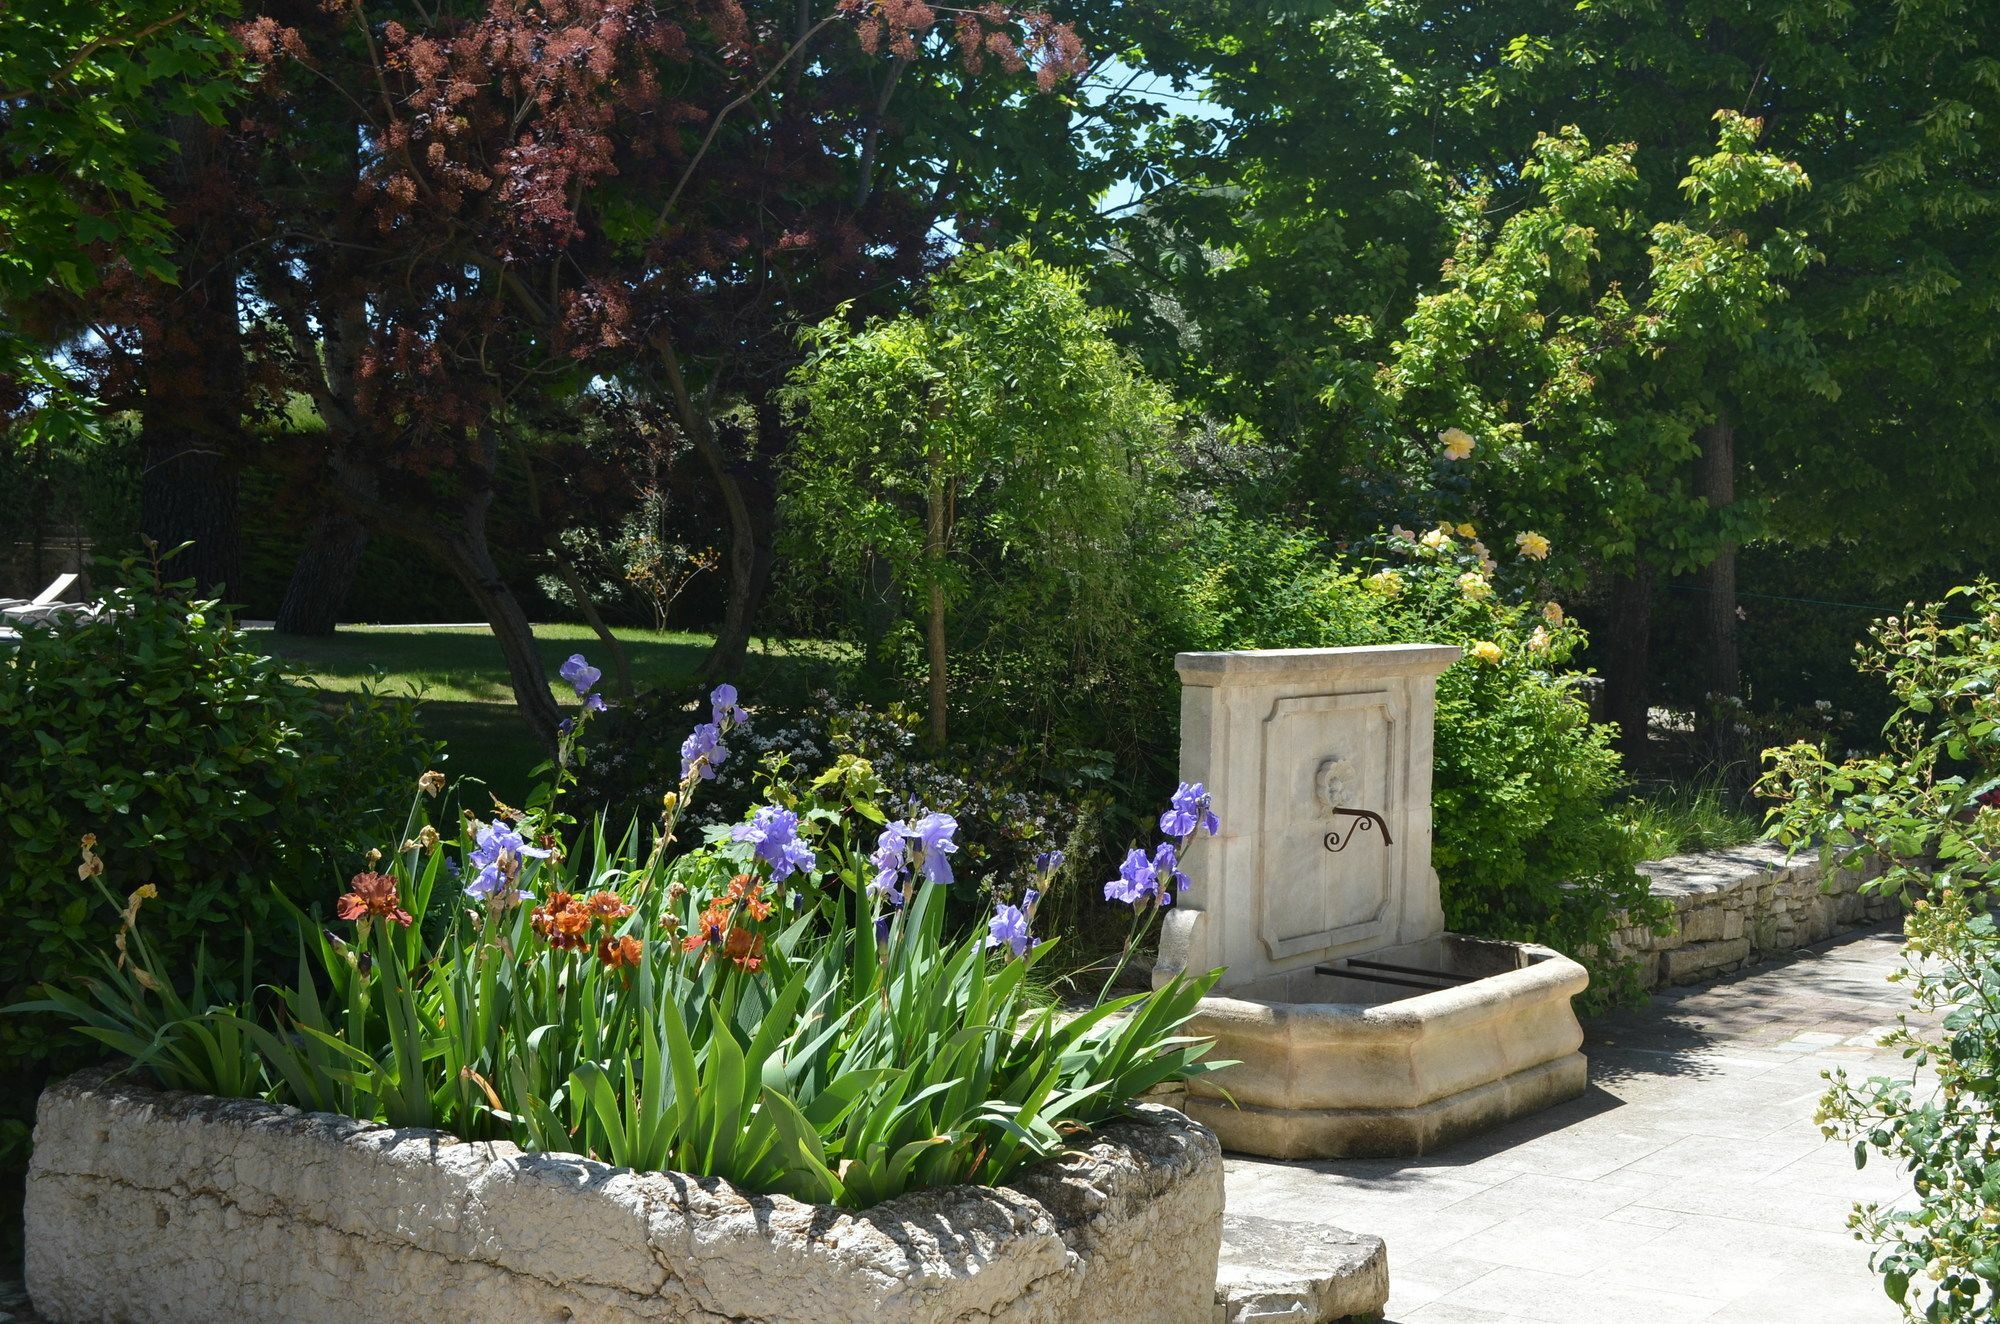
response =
{"points": [[46, 606]]}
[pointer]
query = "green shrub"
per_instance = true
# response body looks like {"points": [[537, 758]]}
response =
{"points": [[1526, 840], [193, 764], [1013, 801], [1928, 807]]}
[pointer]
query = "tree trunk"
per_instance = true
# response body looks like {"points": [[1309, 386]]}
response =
{"points": [[460, 545], [621, 666], [323, 575], [187, 491], [1628, 649], [191, 413], [934, 616], [752, 503], [732, 639], [1718, 580], [465, 553]]}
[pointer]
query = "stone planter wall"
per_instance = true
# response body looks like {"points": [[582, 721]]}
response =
{"points": [[1744, 904], [152, 1206]]}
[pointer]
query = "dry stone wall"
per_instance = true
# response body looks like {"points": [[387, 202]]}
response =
{"points": [[1744, 904], [145, 1205]]}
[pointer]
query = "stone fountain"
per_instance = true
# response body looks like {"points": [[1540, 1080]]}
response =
{"points": [[1360, 1027]]}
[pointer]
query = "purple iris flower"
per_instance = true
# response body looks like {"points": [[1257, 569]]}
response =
{"points": [[580, 674], [774, 837], [722, 707], [1047, 863], [1192, 808], [595, 703], [891, 857], [498, 850], [1009, 926], [1135, 884], [1167, 876], [932, 835], [703, 748], [565, 726]]}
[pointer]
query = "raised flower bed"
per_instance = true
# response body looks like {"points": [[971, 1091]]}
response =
{"points": [[166, 1206], [537, 1069]]}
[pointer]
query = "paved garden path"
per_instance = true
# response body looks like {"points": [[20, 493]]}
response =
{"points": [[1689, 1183]]}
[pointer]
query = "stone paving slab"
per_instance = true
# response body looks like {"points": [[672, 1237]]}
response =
{"points": [[1689, 1183]]}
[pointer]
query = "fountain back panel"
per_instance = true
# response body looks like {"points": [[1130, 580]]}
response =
{"points": [[1360, 1026]]}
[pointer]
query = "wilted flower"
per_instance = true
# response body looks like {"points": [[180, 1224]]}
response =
{"points": [[1386, 582], [1475, 586], [773, 835], [93, 864], [1486, 651], [1009, 927], [372, 896], [1538, 642], [1457, 443], [427, 838], [580, 674], [431, 783], [1192, 808], [703, 751], [1532, 545], [1553, 613]]}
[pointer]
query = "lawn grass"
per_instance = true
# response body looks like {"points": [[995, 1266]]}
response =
{"points": [[466, 701]]}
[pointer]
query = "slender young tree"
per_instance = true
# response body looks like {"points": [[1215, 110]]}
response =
{"points": [[995, 437]]}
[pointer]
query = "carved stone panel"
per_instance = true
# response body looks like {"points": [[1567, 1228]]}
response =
{"points": [[1323, 753]]}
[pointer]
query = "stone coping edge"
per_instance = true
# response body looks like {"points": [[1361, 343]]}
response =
{"points": [[154, 1205], [1262, 666], [1444, 1011]]}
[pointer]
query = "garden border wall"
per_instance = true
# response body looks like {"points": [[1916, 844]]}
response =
{"points": [[1744, 904], [147, 1205]]}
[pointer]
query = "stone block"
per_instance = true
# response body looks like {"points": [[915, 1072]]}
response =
{"points": [[168, 1208], [1685, 964], [1300, 1273]]}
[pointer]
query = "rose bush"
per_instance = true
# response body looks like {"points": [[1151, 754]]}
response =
{"points": [[1928, 807]]}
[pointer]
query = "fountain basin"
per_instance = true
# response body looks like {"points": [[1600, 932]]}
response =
{"points": [[1334, 1066]]}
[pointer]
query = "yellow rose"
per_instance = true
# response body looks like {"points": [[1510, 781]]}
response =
{"points": [[1437, 540], [1467, 531], [1486, 651], [1532, 545], [1474, 586], [1538, 642], [1385, 582], [1457, 443]]}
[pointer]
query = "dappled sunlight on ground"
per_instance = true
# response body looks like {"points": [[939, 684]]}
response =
{"points": [[1689, 1182]]}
